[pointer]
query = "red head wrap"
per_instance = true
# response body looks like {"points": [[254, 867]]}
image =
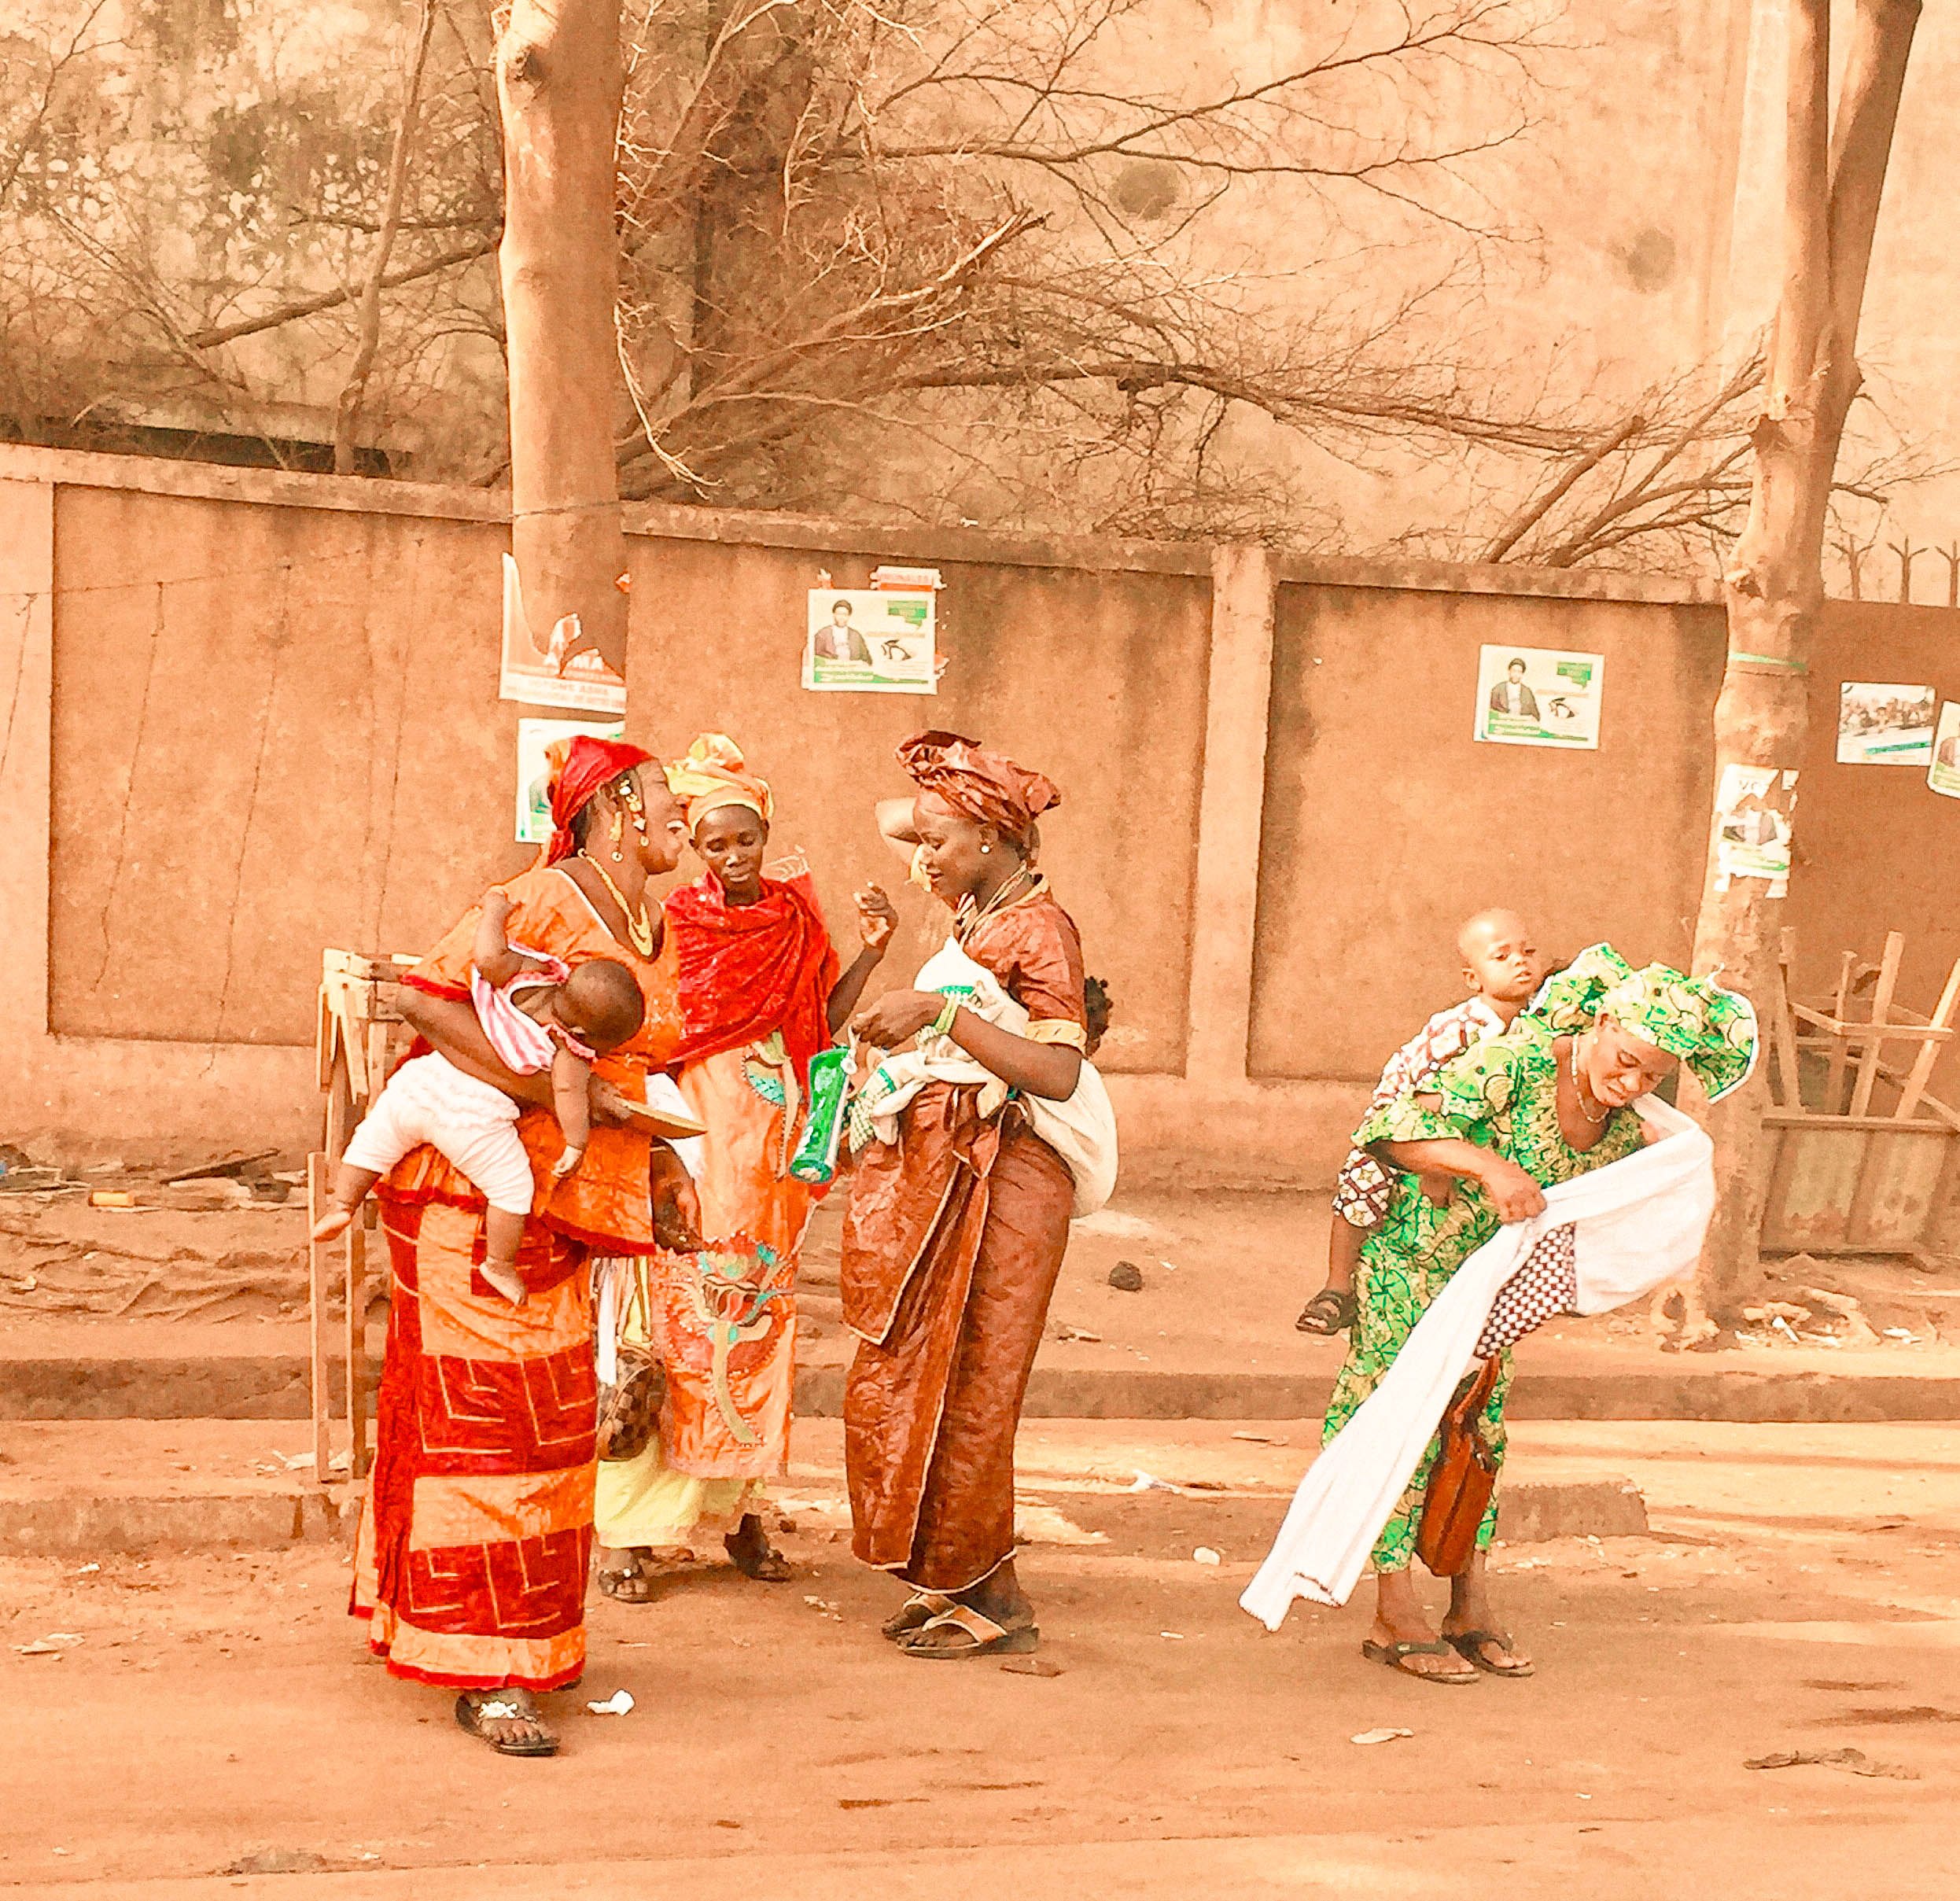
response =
{"points": [[987, 787], [580, 766]]}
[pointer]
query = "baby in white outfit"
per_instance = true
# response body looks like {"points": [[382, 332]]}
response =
{"points": [[538, 1013]]}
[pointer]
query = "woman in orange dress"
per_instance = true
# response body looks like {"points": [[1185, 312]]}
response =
{"points": [[759, 995], [955, 1230], [471, 1566]]}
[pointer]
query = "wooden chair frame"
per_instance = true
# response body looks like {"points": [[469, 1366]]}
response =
{"points": [[360, 1036]]}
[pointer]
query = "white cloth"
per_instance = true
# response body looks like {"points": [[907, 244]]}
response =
{"points": [[1081, 1130], [473, 1126], [1637, 1223]]}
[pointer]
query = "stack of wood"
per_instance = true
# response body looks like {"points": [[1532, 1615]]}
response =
{"points": [[1864, 1158]]}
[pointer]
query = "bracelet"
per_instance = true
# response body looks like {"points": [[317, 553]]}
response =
{"points": [[942, 1023]]}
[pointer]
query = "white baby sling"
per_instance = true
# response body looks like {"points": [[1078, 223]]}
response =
{"points": [[1081, 1130]]}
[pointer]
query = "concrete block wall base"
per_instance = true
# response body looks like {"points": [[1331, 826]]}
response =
{"points": [[74, 1524]]}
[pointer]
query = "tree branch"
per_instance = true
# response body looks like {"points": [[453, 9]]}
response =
{"points": [[347, 412]]}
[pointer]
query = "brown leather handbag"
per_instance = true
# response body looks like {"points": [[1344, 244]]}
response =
{"points": [[1461, 1480]]}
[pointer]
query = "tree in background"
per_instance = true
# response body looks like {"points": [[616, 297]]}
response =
{"points": [[1046, 265], [1834, 175]]}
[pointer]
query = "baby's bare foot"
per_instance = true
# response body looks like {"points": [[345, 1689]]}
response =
{"points": [[504, 1277], [330, 1226]]}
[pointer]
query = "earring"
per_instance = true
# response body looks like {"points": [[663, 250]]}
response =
{"points": [[985, 849], [619, 829]]}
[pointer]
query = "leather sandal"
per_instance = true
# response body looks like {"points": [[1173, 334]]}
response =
{"points": [[473, 1714], [1395, 1657], [917, 1611], [1331, 1311], [984, 1637], [1469, 1645]]}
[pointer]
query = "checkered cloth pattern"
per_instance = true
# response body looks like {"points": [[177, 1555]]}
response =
{"points": [[1546, 1285]]}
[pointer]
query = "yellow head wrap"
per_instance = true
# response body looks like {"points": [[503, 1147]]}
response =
{"points": [[714, 774]]}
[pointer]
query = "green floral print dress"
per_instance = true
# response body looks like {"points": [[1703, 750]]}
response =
{"points": [[1502, 1095]]}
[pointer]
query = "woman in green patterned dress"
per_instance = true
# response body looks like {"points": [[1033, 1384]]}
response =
{"points": [[1476, 1148]]}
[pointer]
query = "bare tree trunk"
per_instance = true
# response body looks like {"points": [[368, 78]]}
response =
{"points": [[1775, 583], [369, 328], [558, 81]]}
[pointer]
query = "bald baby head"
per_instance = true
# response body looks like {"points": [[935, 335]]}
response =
{"points": [[1500, 960]]}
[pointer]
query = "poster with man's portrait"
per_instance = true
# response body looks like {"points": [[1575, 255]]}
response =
{"points": [[869, 640], [1539, 696]]}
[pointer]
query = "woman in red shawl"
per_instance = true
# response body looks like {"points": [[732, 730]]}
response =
{"points": [[471, 1566], [955, 1232], [759, 996]]}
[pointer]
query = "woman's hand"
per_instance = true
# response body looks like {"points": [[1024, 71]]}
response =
{"points": [[896, 1016], [876, 919], [676, 1203], [609, 1105], [1514, 1195]]}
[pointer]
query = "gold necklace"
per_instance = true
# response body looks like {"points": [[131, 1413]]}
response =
{"points": [[639, 929], [997, 902], [1578, 1088]]}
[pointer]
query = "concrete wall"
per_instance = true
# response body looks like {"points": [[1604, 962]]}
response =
{"points": [[249, 715], [1387, 825]]}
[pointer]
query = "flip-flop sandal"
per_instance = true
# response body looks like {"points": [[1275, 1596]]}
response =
{"points": [[987, 1638], [1469, 1645], [1330, 1312], [473, 1715], [1394, 1654], [614, 1584], [917, 1611]]}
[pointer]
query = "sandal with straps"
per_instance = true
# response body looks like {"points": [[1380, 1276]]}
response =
{"points": [[1471, 1644], [1395, 1656], [473, 1714], [984, 1637], [1331, 1311], [917, 1611]]}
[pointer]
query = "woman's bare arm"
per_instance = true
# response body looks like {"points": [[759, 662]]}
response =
{"points": [[1515, 1195], [451, 1028], [1050, 1070], [895, 827]]}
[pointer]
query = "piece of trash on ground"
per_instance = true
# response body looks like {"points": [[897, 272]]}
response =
{"points": [[1379, 1736], [1176, 1636], [1856, 1760], [1031, 1667], [1205, 1555], [619, 1703], [1259, 1439]]}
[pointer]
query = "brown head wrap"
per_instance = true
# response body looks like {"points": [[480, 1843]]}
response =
{"points": [[987, 787]]}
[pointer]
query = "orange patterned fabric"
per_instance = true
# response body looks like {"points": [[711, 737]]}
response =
{"points": [[473, 1549], [605, 1201], [744, 1190], [470, 1566]]}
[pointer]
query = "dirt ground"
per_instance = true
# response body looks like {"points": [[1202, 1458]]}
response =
{"points": [[179, 1723]]}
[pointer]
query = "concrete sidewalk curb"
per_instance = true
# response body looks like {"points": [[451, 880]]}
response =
{"points": [[274, 1386], [78, 1524], [73, 1524]]}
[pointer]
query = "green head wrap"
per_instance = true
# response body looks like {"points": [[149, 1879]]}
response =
{"points": [[1711, 1029]]}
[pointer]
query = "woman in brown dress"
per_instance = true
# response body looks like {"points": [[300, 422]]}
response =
{"points": [[955, 1230]]}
